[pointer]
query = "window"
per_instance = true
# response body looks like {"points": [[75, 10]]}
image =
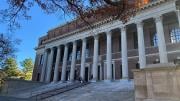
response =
{"points": [[78, 56], [87, 53], [137, 66], [135, 40], [175, 35], [154, 41], [120, 43], [70, 57], [41, 60]]}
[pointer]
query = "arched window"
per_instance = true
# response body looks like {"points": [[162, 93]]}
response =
{"points": [[175, 35], [155, 40]]}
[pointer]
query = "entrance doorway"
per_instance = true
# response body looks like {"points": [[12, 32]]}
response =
{"points": [[59, 77], [67, 75], [38, 77], [112, 72], [86, 74], [99, 73]]}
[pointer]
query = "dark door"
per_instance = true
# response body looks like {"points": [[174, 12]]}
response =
{"points": [[52, 75], [112, 72], [38, 77], [75, 75], [59, 77], [86, 74], [99, 73], [67, 75]]}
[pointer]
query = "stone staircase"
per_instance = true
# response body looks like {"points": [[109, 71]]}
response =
{"points": [[55, 91], [98, 91], [42, 92]]}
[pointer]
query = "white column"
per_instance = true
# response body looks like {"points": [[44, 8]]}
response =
{"points": [[73, 62], [56, 71], [109, 56], [161, 40], [83, 59], [44, 65], [124, 53], [95, 57], [49, 65], [141, 46], [178, 16], [63, 76]]}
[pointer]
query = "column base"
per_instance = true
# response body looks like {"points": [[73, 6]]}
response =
{"points": [[63, 81], [93, 80], [125, 80], [108, 81]]}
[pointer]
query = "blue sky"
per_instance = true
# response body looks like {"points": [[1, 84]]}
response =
{"points": [[32, 29]]}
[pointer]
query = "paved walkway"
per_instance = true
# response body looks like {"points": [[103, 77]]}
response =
{"points": [[100, 91]]}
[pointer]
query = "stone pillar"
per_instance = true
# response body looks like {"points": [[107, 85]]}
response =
{"points": [[95, 57], [141, 46], [49, 65], [124, 53], [83, 59], [109, 56], [161, 40], [56, 71], [73, 62], [178, 16], [63, 76], [44, 65]]}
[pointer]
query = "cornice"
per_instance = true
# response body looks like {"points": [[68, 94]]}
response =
{"points": [[100, 23]]}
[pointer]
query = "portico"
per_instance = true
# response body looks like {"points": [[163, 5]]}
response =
{"points": [[117, 47]]}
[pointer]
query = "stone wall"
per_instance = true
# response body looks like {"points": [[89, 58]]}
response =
{"points": [[15, 85], [157, 82]]}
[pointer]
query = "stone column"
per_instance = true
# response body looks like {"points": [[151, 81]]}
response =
{"points": [[83, 59], [178, 16], [161, 40], [63, 76], [56, 71], [44, 65], [141, 46], [109, 56], [124, 53], [73, 62], [95, 57], [49, 65]]}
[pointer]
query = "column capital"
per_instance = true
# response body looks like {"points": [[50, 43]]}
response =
{"points": [[84, 39], [96, 37], [139, 23], [66, 44], [108, 32], [52, 48], [74, 42], [123, 28], [58, 47], [158, 18]]}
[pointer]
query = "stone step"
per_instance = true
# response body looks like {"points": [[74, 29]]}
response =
{"points": [[54, 92]]}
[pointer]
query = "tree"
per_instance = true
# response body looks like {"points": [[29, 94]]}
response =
{"points": [[119, 9], [10, 67], [2, 78], [7, 48], [27, 65]]}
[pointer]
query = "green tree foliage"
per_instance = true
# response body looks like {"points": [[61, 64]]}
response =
{"points": [[27, 65], [7, 48], [10, 67], [2, 77]]}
